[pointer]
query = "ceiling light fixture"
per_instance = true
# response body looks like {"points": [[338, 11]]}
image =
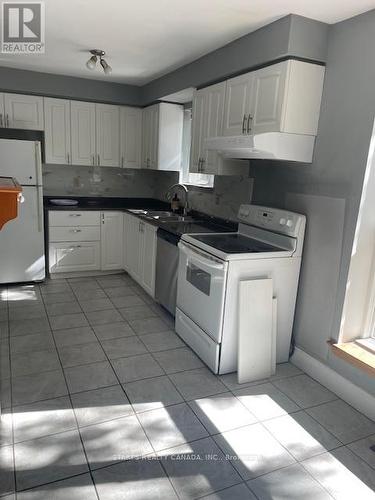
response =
{"points": [[98, 54]]}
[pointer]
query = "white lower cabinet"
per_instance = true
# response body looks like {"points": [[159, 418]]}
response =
{"points": [[74, 256], [140, 252], [111, 240], [148, 253], [85, 241]]}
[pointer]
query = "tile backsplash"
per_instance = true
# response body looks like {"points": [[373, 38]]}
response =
{"points": [[69, 180], [223, 200]]}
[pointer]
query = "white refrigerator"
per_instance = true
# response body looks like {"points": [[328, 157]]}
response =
{"points": [[22, 256]]}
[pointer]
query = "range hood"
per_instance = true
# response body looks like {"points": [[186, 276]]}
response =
{"points": [[267, 146]]}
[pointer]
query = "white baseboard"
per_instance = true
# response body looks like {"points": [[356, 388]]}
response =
{"points": [[349, 392]]}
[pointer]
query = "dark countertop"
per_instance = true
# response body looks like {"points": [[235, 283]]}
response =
{"points": [[204, 223]]}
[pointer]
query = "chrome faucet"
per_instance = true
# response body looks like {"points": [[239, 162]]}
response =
{"points": [[184, 190]]}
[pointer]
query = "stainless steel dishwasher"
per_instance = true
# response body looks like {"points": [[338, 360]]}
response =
{"points": [[166, 270]]}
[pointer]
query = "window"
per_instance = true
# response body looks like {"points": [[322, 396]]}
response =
{"points": [[201, 180]]}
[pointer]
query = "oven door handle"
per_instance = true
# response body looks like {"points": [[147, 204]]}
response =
{"points": [[198, 257]]}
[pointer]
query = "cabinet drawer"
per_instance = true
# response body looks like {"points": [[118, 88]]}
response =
{"points": [[77, 256], [74, 218], [74, 233]]}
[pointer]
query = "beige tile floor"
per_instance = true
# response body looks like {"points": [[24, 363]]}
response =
{"points": [[102, 400]]}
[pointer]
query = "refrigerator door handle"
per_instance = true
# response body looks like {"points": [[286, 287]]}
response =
{"points": [[38, 164], [40, 208]]}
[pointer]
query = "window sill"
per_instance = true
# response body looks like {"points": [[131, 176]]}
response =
{"points": [[355, 355]]}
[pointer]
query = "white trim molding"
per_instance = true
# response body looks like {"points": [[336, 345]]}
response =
{"points": [[349, 392]]}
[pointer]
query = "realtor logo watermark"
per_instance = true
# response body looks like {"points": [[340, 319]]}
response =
{"points": [[23, 29]]}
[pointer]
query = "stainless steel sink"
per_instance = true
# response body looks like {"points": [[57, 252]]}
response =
{"points": [[163, 216]]}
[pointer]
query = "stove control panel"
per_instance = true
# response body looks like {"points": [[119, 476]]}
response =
{"points": [[273, 219]]}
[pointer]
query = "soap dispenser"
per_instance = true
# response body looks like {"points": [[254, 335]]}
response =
{"points": [[175, 203]]}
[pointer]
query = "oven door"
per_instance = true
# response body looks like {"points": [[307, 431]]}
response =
{"points": [[201, 289]]}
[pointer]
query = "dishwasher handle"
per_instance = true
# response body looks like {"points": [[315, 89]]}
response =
{"points": [[171, 238]]}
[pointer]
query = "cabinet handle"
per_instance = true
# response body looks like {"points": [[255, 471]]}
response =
{"points": [[199, 164], [76, 230], [202, 164], [93, 160], [68, 156], [75, 246], [122, 161], [75, 215], [244, 124], [98, 159], [249, 121], [1, 119], [7, 121]]}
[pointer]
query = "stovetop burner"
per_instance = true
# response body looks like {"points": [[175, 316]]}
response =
{"points": [[235, 243]]}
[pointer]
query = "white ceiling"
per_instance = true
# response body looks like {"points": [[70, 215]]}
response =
{"points": [[145, 39]]}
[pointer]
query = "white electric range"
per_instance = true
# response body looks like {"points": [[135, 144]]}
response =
{"points": [[268, 244]]}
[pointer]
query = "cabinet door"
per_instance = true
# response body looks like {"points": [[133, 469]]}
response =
{"points": [[24, 111], [154, 137], [213, 124], [148, 246], [2, 111], [57, 131], [83, 133], [238, 95], [197, 131], [111, 238], [108, 135], [130, 137], [132, 236], [74, 256], [145, 137], [268, 97]]}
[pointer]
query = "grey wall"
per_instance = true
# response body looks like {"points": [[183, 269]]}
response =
{"points": [[291, 35], [337, 172], [68, 87]]}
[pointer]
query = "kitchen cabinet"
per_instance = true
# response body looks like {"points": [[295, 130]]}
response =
{"points": [[21, 111], [238, 98], [140, 252], [83, 133], [148, 252], [162, 136], [111, 237], [282, 97], [67, 257], [208, 110], [107, 135], [132, 246], [85, 240], [57, 131], [130, 137]]}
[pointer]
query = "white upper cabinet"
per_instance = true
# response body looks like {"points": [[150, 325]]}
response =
{"points": [[197, 131], [111, 240], [130, 137], [283, 97], [213, 124], [162, 136], [83, 133], [107, 135], [238, 98], [268, 99], [208, 114], [57, 131], [23, 111]]}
